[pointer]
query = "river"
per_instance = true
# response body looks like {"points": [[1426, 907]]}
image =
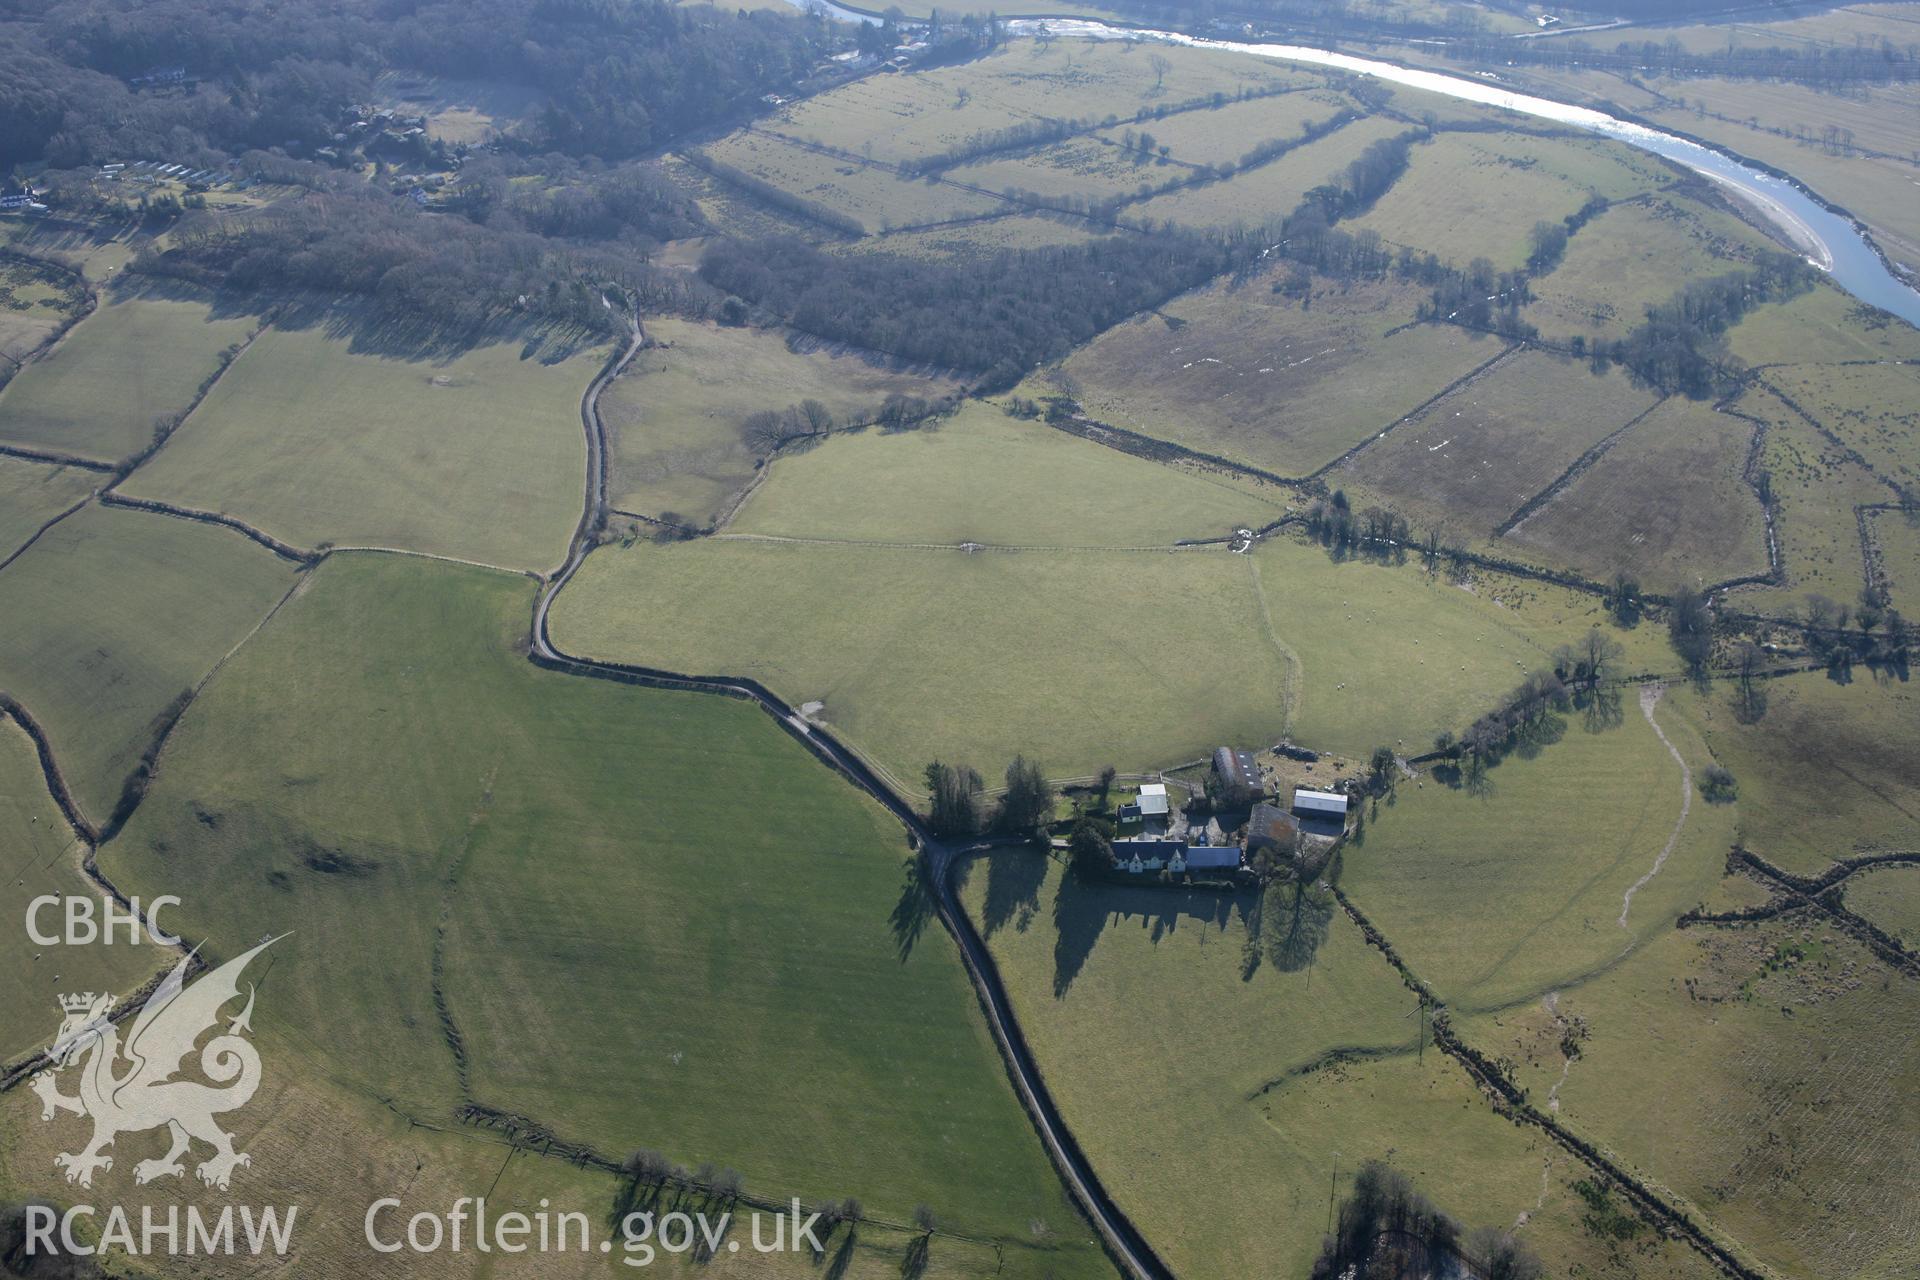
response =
{"points": [[1829, 240]]}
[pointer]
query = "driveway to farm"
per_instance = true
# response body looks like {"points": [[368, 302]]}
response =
{"points": [[1123, 1241], [1649, 698]]}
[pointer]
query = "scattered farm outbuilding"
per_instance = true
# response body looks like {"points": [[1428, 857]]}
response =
{"points": [[1270, 827], [1237, 771], [1153, 802], [1308, 803]]}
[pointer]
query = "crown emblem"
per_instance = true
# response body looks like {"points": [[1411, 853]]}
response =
{"points": [[79, 1003]]}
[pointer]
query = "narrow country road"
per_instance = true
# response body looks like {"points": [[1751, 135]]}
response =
{"points": [[1122, 1239]]}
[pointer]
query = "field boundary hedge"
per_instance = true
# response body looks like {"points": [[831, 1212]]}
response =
{"points": [[1511, 1102]]}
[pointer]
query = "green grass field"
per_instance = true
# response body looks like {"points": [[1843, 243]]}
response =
{"points": [[1897, 537], [1891, 899], [1498, 898], [968, 241], [1821, 325], [1758, 1073], [1478, 195], [1083, 166], [1827, 772], [1079, 658], [132, 363], [981, 476], [479, 456], [1815, 487], [1874, 408], [1632, 257], [1180, 1073], [1668, 503], [32, 493], [40, 856], [673, 418], [109, 617], [1248, 374], [1221, 135], [905, 116], [876, 198], [1845, 26], [1271, 190], [381, 769], [293, 1130], [1468, 461], [34, 301]]}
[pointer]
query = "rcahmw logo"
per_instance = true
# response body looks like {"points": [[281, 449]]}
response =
{"points": [[130, 1088]]}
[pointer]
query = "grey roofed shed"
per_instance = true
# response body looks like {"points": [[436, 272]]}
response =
{"points": [[1213, 857], [1319, 804]]}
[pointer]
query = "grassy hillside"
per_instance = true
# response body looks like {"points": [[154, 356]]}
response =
{"points": [[1497, 897], [1742, 1068], [1478, 195], [1826, 771], [34, 301], [1633, 256], [1183, 1065], [42, 857], [1079, 657], [111, 616], [984, 477], [478, 454], [32, 493], [128, 365], [674, 417], [434, 810]]}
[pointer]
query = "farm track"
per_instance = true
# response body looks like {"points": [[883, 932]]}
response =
{"points": [[1649, 698]]}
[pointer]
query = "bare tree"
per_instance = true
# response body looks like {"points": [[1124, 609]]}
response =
{"points": [[1598, 653], [818, 417], [1159, 66]]}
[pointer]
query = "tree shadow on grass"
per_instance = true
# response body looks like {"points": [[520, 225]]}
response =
{"points": [[919, 1254], [1600, 709], [1296, 924], [1014, 878], [914, 908], [842, 1254]]}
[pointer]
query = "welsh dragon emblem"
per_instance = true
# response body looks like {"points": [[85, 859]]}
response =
{"points": [[131, 1087]]}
